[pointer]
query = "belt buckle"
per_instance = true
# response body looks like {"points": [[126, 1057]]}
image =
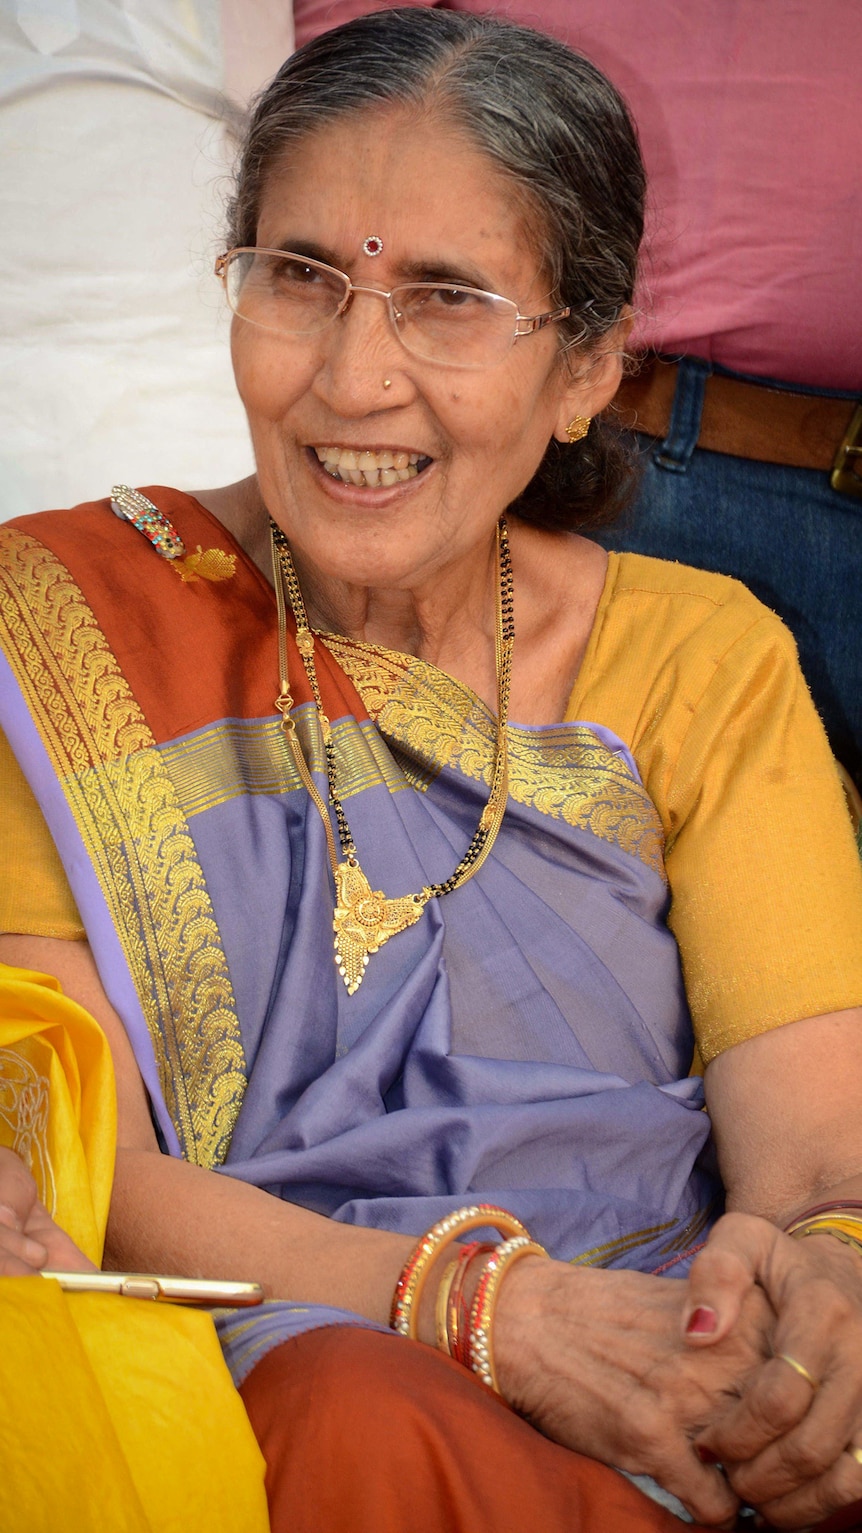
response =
{"points": [[843, 479]]}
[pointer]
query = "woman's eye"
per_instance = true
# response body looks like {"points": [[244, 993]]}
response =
{"points": [[454, 297], [295, 274]]}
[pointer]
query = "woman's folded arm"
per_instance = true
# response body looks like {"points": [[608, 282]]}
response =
{"points": [[593, 1358]]}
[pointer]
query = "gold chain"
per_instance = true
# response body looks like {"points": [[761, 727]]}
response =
{"points": [[364, 918]]}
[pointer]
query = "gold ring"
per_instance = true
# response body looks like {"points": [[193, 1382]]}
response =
{"points": [[798, 1368], [856, 1453]]}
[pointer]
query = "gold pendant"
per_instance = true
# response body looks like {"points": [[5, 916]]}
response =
{"points": [[364, 920]]}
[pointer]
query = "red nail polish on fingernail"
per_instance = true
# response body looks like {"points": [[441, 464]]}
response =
{"points": [[705, 1455], [702, 1321]]}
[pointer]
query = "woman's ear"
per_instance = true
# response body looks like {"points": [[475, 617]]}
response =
{"points": [[594, 378]]}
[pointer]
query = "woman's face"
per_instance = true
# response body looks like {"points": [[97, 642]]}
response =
{"points": [[443, 213]]}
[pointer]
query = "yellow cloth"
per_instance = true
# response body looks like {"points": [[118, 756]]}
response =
{"points": [[35, 897], [57, 1104], [702, 682], [118, 1414]]}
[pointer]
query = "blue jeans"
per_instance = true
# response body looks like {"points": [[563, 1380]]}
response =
{"points": [[795, 541]]}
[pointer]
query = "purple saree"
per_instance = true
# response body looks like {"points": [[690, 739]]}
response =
{"points": [[527, 1042]]}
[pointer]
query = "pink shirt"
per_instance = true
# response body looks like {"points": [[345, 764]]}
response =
{"points": [[750, 116]]}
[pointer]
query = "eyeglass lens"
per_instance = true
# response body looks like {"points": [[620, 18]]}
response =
{"points": [[441, 323]]}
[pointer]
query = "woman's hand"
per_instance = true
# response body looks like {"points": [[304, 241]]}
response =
{"points": [[595, 1360], [791, 1448], [29, 1238]]}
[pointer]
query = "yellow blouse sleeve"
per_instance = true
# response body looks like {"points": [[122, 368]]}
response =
{"points": [[35, 898], [704, 685]]}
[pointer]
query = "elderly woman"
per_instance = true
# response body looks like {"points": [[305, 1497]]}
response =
{"points": [[560, 819]]}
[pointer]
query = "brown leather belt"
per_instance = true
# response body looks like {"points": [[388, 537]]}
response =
{"points": [[749, 420]]}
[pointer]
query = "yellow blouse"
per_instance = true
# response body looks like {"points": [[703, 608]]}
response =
{"points": [[702, 683]]}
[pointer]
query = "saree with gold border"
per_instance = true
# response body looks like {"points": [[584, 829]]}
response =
{"points": [[526, 1042]]}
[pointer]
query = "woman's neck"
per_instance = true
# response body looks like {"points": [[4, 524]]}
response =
{"points": [[449, 620]]}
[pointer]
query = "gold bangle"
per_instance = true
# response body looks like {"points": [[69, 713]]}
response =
{"points": [[414, 1274], [441, 1307], [482, 1314], [843, 1227], [843, 1214]]}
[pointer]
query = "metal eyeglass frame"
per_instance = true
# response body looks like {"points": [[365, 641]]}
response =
{"points": [[530, 323]]}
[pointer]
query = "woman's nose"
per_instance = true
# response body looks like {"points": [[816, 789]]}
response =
{"points": [[361, 345]]}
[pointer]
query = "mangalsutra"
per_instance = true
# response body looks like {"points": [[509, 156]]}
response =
{"points": [[366, 918]]}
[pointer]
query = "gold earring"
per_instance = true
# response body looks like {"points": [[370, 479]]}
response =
{"points": [[578, 428], [387, 383]]}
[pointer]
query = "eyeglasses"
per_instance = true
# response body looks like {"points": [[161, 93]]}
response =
{"points": [[291, 295]]}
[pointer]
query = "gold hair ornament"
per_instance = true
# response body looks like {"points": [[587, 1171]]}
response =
{"points": [[365, 918]]}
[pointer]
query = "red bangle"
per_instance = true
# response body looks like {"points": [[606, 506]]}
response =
{"points": [[822, 1208], [481, 1354], [457, 1307]]}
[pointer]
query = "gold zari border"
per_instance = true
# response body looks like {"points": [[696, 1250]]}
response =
{"points": [[605, 1255], [247, 756], [126, 810], [565, 772]]}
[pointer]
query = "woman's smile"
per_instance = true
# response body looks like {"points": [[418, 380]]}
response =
{"points": [[370, 468]]}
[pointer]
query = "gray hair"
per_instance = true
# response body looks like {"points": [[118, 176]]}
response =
{"points": [[548, 121]]}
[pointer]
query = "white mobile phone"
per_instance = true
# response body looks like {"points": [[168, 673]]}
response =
{"points": [[151, 1285]]}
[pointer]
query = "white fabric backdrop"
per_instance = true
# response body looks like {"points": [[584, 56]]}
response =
{"points": [[118, 124]]}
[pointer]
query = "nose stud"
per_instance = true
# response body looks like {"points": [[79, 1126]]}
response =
{"points": [[387, 383], [373, 246]]}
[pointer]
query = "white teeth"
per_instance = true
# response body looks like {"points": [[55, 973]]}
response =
{"points": [[368, 469]]}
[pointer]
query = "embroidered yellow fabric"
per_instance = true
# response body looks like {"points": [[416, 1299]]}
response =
{"points": [[126, 810]]}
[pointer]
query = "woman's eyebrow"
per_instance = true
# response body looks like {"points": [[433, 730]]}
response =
{"points": [[309, 249], [462, 275], [433, 270]]}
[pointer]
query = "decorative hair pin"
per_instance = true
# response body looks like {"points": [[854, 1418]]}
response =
{"points": [[131, 506], [211, 564]]}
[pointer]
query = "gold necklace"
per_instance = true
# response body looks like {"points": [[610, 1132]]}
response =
{"points": [[364, 917]]}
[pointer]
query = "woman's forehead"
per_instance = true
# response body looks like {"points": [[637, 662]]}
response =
{"points": [[415, 181]]}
